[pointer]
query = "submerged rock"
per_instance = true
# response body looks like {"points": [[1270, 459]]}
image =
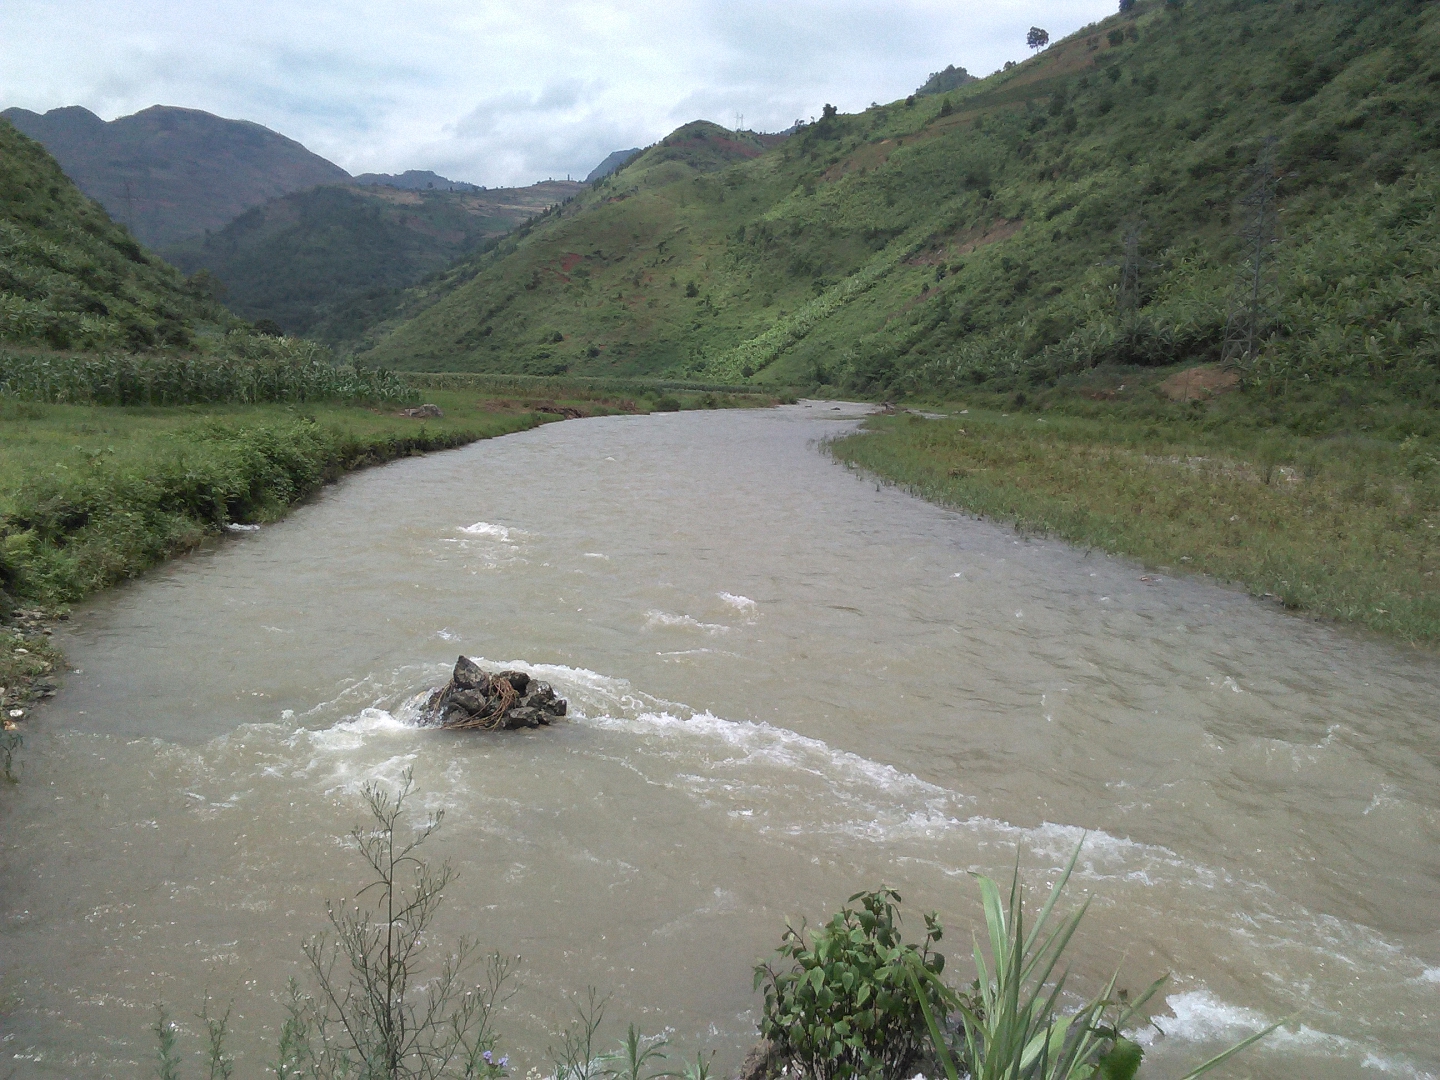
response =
{"points": [[473, 698]]}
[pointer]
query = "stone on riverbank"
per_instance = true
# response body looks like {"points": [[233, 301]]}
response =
{"points": [[475, 699]]}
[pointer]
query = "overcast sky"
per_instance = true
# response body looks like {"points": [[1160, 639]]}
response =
{"points": [[501, 92]]}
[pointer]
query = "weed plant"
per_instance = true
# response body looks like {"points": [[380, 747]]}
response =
{"points": [[377, 1009], [841, 1004]]}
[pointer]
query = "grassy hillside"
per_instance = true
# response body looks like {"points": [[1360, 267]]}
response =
{"points": [[169, 173], [973, 238], [315, 262], [72, 278]]}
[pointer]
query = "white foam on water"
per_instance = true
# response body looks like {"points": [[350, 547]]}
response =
{"points": [[1198, 1016], [655, 619], [739, 603], [484, 528], [234, 528], [781, 783], [596, 555]]}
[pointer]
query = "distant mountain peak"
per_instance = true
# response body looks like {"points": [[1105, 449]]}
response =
{"points": [[415, 180], [611, 164], [170, 172]]}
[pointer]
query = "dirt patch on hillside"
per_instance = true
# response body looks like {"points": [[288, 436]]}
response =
{"points": [[968, 240], [1199, 383]]}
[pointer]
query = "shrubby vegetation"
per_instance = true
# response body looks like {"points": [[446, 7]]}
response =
{"points": [[858, 1004], [1340, 524], [92, 495], [844, 1006]]}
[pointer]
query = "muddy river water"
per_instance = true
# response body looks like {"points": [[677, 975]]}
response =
{"points": [[787, 684]]}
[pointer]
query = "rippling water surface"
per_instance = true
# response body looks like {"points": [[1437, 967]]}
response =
{"points": [[786, 684]]}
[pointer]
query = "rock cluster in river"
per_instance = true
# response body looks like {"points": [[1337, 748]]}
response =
{"points": [[473, 698]]}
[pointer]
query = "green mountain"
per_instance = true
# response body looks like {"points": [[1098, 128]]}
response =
{"points": [[69, 276], [318, 262], [170, 173], [978, 236]]}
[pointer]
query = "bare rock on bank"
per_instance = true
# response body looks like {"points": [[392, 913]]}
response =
{"points": [[423, 412], [476, 699]]}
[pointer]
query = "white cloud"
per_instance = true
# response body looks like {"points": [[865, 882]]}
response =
{"points": [[498, 91]]}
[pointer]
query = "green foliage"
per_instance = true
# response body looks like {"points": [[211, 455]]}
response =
{"points": [[578, 1056], [846, 1006], [69, 276], [376, 1014], [167, 1061], [632, 1060]]}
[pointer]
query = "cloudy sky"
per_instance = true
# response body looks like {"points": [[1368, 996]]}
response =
{"points": [[501, 91]]}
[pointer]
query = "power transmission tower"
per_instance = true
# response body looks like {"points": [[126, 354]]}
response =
{"points": [[1251, 312], [1131, 263]]}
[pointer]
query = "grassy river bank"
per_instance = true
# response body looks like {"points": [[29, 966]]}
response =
{"points": [[92, 494], [1323, 507]]}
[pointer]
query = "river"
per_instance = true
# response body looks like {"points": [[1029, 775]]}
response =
{"points": [[787, 684]]}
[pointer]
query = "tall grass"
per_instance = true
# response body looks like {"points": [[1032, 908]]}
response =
{"points": [[251, 370]]}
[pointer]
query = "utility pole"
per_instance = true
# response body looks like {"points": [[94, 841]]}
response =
{"points": [[1130, 263], [1251, 314], [1129, 297]]}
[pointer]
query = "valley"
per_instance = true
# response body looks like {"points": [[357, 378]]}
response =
{"points": [[1033, 478]]}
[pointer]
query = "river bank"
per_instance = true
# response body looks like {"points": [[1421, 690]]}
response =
{"points": [[92, 495], [1342, 523]]}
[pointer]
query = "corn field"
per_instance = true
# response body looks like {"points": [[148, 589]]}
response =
{"points": [[249, 372]]}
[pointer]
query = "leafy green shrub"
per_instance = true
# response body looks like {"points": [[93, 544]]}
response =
{"points": [[847, 1006]]}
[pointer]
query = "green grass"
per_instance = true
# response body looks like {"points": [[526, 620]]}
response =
{"points": [[1344, 525], [90, 495]]}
